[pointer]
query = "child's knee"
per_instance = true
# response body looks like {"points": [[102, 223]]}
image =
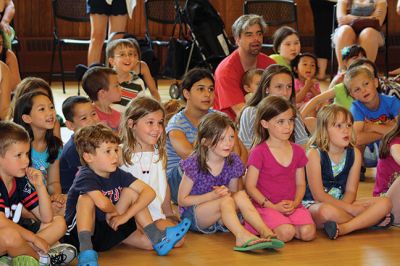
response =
{"points": [[285, 232], [10, 238], [240, 196], [307, 232], [227, 200], [60, 223], [327, 212]]}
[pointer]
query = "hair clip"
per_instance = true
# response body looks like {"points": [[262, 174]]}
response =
{"points": [[346, 51]]}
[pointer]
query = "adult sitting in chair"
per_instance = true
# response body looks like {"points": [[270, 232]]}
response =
{"points": [[354, 28]]}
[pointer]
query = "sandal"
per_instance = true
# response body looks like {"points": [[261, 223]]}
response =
{"points": [[331, 229], [389, 224], [173, 235]]}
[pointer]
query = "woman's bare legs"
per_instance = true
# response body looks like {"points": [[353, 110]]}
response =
{"points": [[98, 26], [345, 36], [370, 39]]}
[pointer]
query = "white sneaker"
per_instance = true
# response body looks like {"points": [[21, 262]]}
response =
{"points": [[62, 254]]}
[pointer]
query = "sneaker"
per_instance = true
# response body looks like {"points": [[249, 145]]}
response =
{"points": [[62, 254], [5, 261], [88, 258], [24, 260]]}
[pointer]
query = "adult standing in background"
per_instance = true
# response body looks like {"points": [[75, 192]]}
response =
{"points": [[102, 12], [323, 18], [396, 71]]}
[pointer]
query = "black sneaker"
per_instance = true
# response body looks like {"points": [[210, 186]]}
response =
{"points": [[362, 173]]}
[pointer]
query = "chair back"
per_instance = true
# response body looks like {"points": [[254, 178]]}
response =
{"points": [[160, 11], [275, 12], [70, 10]]}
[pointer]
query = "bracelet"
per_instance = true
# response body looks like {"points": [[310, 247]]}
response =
{"points": [[263, 203]]}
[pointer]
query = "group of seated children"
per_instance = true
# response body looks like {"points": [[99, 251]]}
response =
{"points": [[115, 178]]}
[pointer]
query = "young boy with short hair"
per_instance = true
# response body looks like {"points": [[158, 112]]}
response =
{"points": [[250, 81], [19, 235], [102, 86], [78, 112], [105, 203]]}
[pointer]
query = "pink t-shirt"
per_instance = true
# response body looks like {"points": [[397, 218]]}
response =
{"points": [[276, 182], [298, 84], [112, 120], [386, 171], [228, 77]]}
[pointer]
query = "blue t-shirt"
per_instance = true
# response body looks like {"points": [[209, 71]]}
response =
{"points": [[388, 109], [22, 194], [87, 180], [69, 163], [39, 161], [179, 122]]}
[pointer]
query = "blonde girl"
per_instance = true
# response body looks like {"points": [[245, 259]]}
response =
{"points": [[208, 193], [275, 178], [144, 154], [333, 173]]}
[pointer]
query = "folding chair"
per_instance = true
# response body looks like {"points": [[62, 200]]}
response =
{"points": [[73, 11], [384, 48], [276, 13]]}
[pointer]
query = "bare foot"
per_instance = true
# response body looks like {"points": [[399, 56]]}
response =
{"points": [[267, 234], [246, 236]]}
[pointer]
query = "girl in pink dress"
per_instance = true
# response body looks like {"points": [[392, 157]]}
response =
{"points": [[275, 178]]}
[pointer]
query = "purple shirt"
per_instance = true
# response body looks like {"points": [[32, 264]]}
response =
{"points": [[276, 182], [203, 182], [386, 171]]}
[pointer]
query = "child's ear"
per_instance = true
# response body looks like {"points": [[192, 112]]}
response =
{"points": [[185, 94], [111, 61], [70, 125], [27, 119], [130, 123], [246, 88], [264, 123], [87, 157], [376, 83]]}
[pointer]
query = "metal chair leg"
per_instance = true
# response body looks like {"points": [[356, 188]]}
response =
{"points": [[61, 65], [53, 51]]}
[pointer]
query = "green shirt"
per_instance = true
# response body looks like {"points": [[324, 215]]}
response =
{"points": [[341, 96], [280, 60]]}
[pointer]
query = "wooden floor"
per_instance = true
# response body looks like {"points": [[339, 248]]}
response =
{"points": [[360, 248]]}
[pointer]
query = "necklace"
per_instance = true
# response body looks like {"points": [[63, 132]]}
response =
{"points": [[144, 171]]}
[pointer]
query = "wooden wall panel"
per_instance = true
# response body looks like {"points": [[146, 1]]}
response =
{"points": [[34, 23]]}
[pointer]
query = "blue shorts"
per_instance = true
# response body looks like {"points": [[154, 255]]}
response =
{"points": [[189, 213], [101, 7], [174, 178]]}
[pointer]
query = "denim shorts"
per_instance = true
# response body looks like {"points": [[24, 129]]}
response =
{"points": [[174, 178], [189, 213]]}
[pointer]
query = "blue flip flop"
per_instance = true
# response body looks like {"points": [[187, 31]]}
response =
{"points": [[173, 235]]}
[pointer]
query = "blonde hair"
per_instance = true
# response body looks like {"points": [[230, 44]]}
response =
{"points": [[137, 109], [327, 117], [211, 128], [354, 72]]}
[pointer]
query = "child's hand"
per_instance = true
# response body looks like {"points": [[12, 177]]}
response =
{"points": [[35, 177], [284, 207], [111, 215], [116, 221], [40, 245], [221, 191], [58, 200]]}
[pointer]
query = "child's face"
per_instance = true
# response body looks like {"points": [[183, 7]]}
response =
{"points": [[225, 144], [281, 126], [363, 88], [148, 130], [281, 85], [255, 81], [201, 95], [340, 132], [113, 94], [125, 59], [84, 115], [16, 160], [42, 115], [290, 47], [306, 68], [105, 160]]}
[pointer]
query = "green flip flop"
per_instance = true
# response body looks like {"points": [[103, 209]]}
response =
{"points": [[274, 243]]}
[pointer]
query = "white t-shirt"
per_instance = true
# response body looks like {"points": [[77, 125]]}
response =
{"points": [[146, 167]]}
